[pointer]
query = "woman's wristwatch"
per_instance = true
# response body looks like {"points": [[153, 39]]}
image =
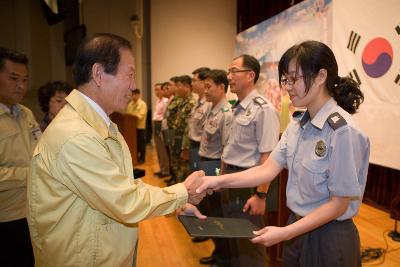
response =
{"points": [[261, 195]]}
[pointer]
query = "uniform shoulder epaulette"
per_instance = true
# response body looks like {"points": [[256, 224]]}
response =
{"points": [[297, 113], [336, 120], [260, 101]]}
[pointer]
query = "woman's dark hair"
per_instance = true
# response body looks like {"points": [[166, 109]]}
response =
{"points": [[218, 77], [311, 57], [103, 48], [251, 63], [48, 90]]}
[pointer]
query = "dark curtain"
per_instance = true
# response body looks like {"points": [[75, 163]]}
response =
{"points": [[252, 12], [383, 189]]}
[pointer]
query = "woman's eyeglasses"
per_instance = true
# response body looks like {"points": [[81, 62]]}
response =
{"points": [[290, 80]]}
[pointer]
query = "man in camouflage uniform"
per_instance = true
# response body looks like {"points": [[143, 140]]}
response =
{"points": [[169, 117], [178, 123]]}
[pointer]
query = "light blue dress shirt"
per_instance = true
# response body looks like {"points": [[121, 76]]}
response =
{"points": [[327, 156]]}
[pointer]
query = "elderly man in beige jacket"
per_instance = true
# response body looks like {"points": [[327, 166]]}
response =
{"points": [[83, 201]]}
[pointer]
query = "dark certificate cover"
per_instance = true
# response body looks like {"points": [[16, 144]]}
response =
{"points": [[218, 227]]}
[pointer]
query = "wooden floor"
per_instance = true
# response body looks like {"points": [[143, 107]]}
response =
{"points": [[164, 242]]}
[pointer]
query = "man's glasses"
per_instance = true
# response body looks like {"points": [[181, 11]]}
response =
{"points": [[234, 71], [290, 81]]}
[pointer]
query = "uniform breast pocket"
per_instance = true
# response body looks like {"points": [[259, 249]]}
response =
{"points": [[198, 116], [245, 131], [317, 168], [210, 129], [211, 133]]}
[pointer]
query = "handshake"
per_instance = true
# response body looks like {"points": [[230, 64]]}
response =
{"points": [[198, 185]]}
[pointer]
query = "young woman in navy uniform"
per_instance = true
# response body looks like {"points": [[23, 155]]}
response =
{"points": [[326, 155]]}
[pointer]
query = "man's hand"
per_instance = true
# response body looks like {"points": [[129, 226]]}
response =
{"points": [[191, 183], [255, 206], [190, 210], [209, 184]]}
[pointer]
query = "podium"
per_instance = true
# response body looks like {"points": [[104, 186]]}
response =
{"points": [[127, 127]]}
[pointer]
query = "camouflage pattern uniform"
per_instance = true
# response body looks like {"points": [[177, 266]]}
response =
{"points": [[180, 168], [170, 116]]}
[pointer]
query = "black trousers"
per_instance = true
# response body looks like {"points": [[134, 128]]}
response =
{"points": [[15, 244], [336, 243], [243, 253], [221, 251], [141, 144], [212, 206]]}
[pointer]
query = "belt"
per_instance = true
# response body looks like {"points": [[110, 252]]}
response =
{"points": [[207, 159], [194, 143], [298, 217], [233, 167]]}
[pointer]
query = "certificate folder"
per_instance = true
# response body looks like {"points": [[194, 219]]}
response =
{"points": [[218, 227]]}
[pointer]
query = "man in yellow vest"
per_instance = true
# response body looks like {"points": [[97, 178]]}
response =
{"points": [[138, 108], [84, 204]]}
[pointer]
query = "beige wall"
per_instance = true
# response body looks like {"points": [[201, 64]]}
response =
{"points": [[115, 17], [109, 16], [24, 28], [187, 34]]}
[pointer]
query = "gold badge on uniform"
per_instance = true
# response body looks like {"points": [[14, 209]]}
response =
{"points": [[248, 113], [320, 148]]}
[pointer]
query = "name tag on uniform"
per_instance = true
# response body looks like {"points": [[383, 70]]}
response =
{"points": [[36, 133]]}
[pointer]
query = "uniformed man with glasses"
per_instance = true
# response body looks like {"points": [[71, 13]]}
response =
{"points": [[254, 133]]}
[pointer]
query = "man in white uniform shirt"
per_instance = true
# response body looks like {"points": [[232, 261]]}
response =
{"points": [[158, 115]]}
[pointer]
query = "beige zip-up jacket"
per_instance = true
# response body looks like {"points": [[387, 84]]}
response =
{"points": [[18, 138], [83, 203]]}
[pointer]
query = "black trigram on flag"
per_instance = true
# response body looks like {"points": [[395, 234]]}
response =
{"points": [[397, 80], [354, 39], [354, 75]]}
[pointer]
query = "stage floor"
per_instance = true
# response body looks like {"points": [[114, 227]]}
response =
{"points": [[164, 242]]}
